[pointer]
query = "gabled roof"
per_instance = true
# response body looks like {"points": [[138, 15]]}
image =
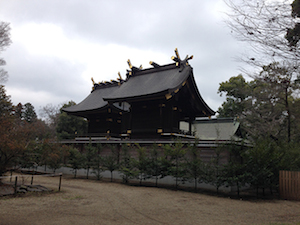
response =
{"points": [[217, 129]]}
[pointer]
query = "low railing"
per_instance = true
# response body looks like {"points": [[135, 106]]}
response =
{"points": [[17, 180]]}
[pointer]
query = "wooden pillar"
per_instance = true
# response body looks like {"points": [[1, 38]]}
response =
{"points": [[191, 119], [161, 117], [129, 129], [108, 122]]}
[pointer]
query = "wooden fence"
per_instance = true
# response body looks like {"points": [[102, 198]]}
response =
{"points": [[289, 185]]}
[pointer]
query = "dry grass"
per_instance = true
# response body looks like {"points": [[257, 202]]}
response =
{"points": [[92, 202]]}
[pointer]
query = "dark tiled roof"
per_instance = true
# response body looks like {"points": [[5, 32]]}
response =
{"points": [[151, 81], [93, 101], [158, 81]]}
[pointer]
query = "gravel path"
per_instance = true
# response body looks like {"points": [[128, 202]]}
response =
{"points": [[93, 202]]}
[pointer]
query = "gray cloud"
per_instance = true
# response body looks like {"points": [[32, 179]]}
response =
{"points": [[195, 27]]}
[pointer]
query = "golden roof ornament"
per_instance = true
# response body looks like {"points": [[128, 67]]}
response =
{"points": [[178, 60]]}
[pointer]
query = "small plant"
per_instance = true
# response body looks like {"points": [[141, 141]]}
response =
{"points": [[90, 153], [194, 164], [76, 160], [155, 164], [127, 167], [110, 162], [97, 162], [175, 157]]}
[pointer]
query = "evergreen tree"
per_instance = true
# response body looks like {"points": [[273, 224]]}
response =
{"points": [[235, 173], [89, 155], [6, 107], [194, 164], [127, 167], [54, 157], [293, 33], [29, 113], [237, 91], [215, 174], [19, 111], [142, 163], [14, 136], [110, 162], [155, 164], [69, 126], [76, 160], [175, 155], [97, 162], [264, 106]]}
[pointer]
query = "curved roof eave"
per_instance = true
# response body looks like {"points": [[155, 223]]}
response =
{"points": [[93, 102], [85, 113], [208, 109]]}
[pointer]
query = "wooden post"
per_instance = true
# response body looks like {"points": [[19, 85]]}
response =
{"points": [[281, 184], [59, 182], [16, 183]]}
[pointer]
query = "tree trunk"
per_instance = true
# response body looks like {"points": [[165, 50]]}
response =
{"points": [[238, 189], [289, 116], [87, 173]]}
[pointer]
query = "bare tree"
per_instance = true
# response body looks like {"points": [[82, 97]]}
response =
{"points": [[5, 41], [272, 30], [50, 114], [263, 24]]}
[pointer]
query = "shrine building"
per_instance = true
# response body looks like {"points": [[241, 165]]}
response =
{"points": [[150, 103]]}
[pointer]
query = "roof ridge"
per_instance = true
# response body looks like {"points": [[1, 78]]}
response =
{"points": [[106, 84]]}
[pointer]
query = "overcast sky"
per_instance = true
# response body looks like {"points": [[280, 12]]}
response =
{"points": [[58, 45]]}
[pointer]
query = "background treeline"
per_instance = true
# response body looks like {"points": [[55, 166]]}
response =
{"points": [[22, 133]]}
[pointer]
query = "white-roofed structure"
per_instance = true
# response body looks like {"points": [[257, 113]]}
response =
{"points": [[221, 129]]}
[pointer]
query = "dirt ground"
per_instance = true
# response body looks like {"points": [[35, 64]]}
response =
{"points": [[84, 201]]}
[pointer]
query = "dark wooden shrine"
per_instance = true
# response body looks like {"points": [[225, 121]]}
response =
{"points": [[148, 104]]}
